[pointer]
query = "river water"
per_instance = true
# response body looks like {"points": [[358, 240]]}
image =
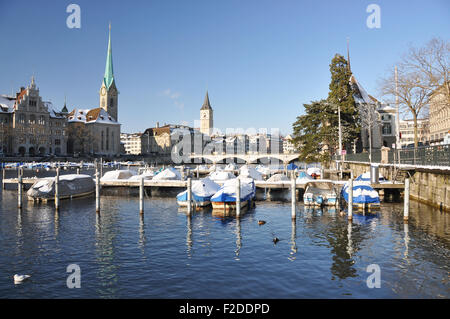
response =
{"points": [[166, 254]]}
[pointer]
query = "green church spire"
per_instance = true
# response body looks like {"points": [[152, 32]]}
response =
{"points": [[109, 73]]}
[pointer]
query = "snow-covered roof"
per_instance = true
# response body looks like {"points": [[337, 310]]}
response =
{"points": [[96, 115], [51, 110], [7, 103], [360, 95]]}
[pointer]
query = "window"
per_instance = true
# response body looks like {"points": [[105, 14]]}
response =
{"points": [[32, 102], [107, 138], [42, 120], [57, 141], [387, 129], [32, 119], [22, 118]]}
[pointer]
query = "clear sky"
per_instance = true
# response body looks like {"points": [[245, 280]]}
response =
{"points": [[260, 60]]}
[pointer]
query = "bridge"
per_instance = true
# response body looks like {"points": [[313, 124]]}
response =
{"points": [[247, 158]]}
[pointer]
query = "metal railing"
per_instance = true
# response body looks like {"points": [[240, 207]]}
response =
{"points": [[437, 155]]}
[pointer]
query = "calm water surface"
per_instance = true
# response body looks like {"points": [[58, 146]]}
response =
{"points": [[166, 254]]}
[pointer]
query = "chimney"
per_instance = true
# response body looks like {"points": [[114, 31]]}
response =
{"points": [[157, 124]]}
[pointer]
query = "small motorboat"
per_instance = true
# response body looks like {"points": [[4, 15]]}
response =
{"points": [[202, 190], [220, 176], [167, 174], [365, 177], [119, 174], [314, 172], [225, 197], [364, 196], [146, 175], [303, 178], [320, 193], [70, 186], [250, 172]]}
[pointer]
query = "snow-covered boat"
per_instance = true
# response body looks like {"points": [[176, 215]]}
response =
{"points": [[119, 174], [250, 172], [220, 176], [146, 175], [314, 172], [225, 197], [167, 174], [70, 186], [365, 177], [364, 196], [202, 190], [321, 193], [303, 178]]}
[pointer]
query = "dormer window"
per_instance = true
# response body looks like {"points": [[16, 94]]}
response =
{"points": [[79, 117], [81, 112], [109, 117], [101, 116], [71, 118]]}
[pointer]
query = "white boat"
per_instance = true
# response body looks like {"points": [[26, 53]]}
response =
{"points": [[70, 186], [320, 193], [119, 174], [225, 197], [167, 174], [220, 176], [146, 175], [250, 172], [202, 190]]}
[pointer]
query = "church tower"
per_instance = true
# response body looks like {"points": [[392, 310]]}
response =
{"points": [[108, 91], [206, 117]]}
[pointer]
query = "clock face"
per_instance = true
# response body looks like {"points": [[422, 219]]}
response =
{"points": [[204, 115], [103, 91]]}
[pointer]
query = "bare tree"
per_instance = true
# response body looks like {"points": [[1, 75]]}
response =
{"points": [[369, 120], [421, 72]]}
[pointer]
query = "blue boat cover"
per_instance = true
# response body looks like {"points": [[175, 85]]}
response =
{"points": [[362, 194]]}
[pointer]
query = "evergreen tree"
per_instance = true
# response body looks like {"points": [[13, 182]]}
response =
{"points": [[341, 94], [315, 133]]}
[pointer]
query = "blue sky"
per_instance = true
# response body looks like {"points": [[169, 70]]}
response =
{"points": [[260, 60]]}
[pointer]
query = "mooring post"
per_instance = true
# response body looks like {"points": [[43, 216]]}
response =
{"points": [[293, 197], [350, 198], [3, 177], [57, 189], [198, 173], [238, 197], [189, 194], [78, 171], [101, 167], [19, 189], [406, 201], [97, 191], [141, 196]]}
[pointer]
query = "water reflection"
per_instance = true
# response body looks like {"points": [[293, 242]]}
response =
{"points": [[142, 238], [238, 238], [406, 239], [189, 241], [293, 250], [105, 254]]}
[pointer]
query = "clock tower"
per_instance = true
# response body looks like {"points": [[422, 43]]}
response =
{"points": [[206, 117], [108, 90]]}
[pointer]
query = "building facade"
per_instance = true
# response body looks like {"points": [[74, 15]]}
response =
{"points": [[407, 132], [439, 114], [206, 117], [31, 126], [132, 143]]}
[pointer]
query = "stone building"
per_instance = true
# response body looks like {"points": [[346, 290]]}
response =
{"points": [[131, 143], [31, 126], [407, 132], [439, 114], [206, 117]]}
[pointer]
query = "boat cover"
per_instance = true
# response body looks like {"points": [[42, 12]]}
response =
{"points": [[69, 185], [202, 190], [227, 193], [363, 193]]}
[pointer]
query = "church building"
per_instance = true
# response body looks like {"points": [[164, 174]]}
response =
{"points": [[97, 131]]}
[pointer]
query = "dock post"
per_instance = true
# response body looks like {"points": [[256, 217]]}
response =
{"points": [[3, 177], [238, 198], [350, 199], [57, 189], [198, 173], [101, 167], [141, 196], [293, 197], [406, 201], [19, 189], [78, 171], [189, 195], [97, 191]]}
